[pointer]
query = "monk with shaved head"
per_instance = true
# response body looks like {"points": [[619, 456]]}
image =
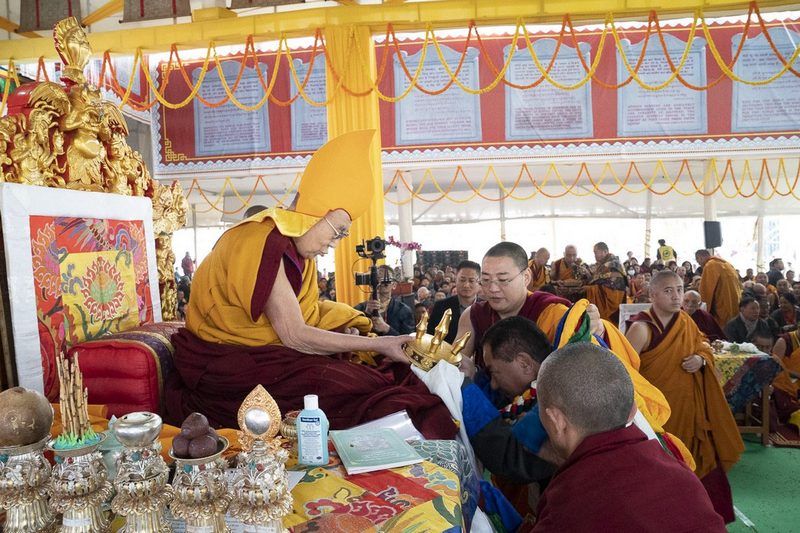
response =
{"points": [[676, 358], [613, 477]]}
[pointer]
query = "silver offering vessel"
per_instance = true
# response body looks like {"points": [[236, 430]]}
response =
{"points": [[141, 481], [24, 475], [78, 487], [261, 496], [201, 492]]}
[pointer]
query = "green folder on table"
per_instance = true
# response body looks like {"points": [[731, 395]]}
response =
{"points": [[367, 450]]}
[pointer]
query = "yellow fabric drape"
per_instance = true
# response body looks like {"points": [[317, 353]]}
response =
{"points": [[349, 113]]}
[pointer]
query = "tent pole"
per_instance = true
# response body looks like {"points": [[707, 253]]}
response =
{"points": [[709, 201], [405, 208], [194, 231], [648, 224], [760, 243], [502, 217]]}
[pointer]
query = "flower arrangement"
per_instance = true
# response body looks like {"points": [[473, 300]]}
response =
{"points": [[404, 246]]}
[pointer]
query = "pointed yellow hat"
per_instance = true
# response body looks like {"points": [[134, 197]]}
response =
{"points": [[338, 176]]}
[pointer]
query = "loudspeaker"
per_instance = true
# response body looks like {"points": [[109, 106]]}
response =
{"points": [[713, 233]]}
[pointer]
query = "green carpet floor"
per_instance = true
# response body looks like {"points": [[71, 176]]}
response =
{"points": [[766, 489]]}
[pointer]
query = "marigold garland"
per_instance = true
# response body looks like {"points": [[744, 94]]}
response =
{"points": [[392, 46], [725, 182]]}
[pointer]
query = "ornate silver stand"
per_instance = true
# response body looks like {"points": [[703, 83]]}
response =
{"points": [[261, 496], [78, 488], [141, 481], [24, 474], [201, 493]]}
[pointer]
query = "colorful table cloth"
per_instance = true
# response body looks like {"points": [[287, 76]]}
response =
{"points": [[428, 496], [744, 375]]}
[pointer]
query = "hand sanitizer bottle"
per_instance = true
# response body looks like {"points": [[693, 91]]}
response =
{"points": [[312, 433]]}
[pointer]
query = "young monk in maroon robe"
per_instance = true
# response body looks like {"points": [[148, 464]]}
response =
{"points": [[613, 478], [255, 316], [677, 359]]}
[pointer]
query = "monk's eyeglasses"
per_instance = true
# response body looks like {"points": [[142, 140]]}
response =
{"points": [[337, 234], [486, 282]]}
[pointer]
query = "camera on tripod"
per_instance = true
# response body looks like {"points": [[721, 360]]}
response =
{"points": [[371, 249]]}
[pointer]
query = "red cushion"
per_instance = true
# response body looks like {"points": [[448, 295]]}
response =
{"points": [[126, 371]]}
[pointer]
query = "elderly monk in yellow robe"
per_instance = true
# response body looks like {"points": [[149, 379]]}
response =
{"points": [[540, 272], [255, 316], [609, 285], [676, 358], [569, 275], [719, 287]]}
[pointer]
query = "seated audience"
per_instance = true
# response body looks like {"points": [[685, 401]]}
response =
{"points": [[569, 275], [703, 319], [747, 323], [613, 477], [787, 314], [389, 315]]}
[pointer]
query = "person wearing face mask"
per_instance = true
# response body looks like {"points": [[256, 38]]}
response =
{"points": [[255, 315]]}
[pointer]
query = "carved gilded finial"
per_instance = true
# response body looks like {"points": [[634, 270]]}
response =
{"points": [[460, 343], [427, 350], [73, 47], [422, 326], [441, 330]]}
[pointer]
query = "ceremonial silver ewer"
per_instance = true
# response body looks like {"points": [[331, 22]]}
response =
{"points": [[261, 496], [78, 487], [141, 481], [24, 474], [201, 492]]}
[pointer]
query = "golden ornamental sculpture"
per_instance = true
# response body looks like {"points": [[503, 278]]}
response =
{"points": [[67, 136], [426, 350]]}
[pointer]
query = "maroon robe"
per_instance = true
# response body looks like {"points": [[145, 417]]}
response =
{"points": [[214, 378], [708, 325], [620, 481], [482, 316]]}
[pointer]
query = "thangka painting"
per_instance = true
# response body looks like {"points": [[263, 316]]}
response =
{"points": [[80, 265]]}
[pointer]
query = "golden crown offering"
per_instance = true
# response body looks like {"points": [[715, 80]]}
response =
{"points": [[426, 350]]}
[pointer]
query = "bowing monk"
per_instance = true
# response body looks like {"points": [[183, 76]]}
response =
{"points": [[255, 315], [613, 477], [540, 272], [677, 359], [719, 287], [608, 287], [504, 278]]}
